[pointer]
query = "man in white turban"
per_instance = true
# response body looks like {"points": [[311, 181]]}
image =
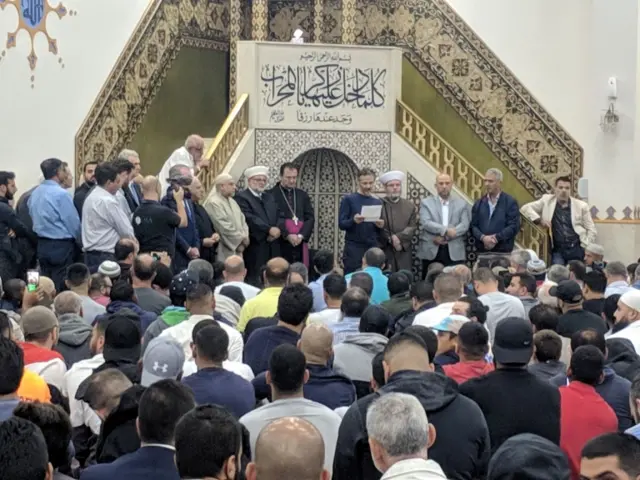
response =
{"points": [[227, 218], [400, 222], [264, 220]]}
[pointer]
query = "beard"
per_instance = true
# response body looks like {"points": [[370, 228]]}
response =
{"points": [[8, 195]]}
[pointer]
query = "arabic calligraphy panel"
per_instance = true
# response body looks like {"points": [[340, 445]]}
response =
{"points": [[326, 87]]}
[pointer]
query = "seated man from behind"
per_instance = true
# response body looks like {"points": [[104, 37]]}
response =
{"points": [[294, 305], [287, 375], [372, 263], [547, 348], [472, 346], [354, 303], [333, 288], [265, 304], [421, 294], [399, 286], [24, 451], [74, 333], [353, 357], [288, 447]]}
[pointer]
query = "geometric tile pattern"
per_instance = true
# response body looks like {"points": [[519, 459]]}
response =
{"points": [[502, 112], [166, 27]]}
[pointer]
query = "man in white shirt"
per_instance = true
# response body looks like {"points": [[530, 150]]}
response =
{"points": [[234, 274], [287, 375], [617, 284], [201, 305], [191, 155], [81, 414], [104, 222], [501, 305], [446, 290], [629, 312], [334, 286]]}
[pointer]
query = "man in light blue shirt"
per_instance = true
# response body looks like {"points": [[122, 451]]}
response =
{"points": [[634, 402], [354, 302], [323, 263], [55, 221], [372, 263]]}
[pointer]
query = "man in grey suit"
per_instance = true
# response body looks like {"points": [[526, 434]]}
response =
{"points": [[444, 222]]}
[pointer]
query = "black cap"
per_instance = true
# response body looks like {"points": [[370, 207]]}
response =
{"points": [[513, 341], [181, 283], [568, 291], [234, 293], [122, 335]]}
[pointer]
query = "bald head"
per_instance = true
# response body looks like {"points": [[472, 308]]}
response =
{"points": [[276, 273], [150, 188], [234, 269], [48, 287], [316, 343], [443, 185], [289, 447], [67, 302], [463, 273]]}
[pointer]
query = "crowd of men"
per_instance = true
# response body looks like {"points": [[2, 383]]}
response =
{"points": [[164, 333]]}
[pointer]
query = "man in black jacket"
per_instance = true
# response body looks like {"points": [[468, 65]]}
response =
{"points": [[82, 190], [11, 229], [462, 448]]}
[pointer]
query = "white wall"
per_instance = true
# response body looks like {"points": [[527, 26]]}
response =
{"points": [[564, 52], [42, 121]]}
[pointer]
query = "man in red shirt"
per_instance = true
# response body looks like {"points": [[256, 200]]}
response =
{"points": [[472, 347], [583, 413]]}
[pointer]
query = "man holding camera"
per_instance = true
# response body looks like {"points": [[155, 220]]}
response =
{"points": [[154, 224]]}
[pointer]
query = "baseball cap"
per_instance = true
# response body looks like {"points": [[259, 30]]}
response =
{"points": [[122, 335], [451, 324], [163, 358], [631, 299], [181, 283], [38, 319], [513, 341], [568, 291]]}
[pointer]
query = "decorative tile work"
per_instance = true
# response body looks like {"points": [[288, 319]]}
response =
{"points": [[236, 19], [416, 192], [365, 149], [259, 17], [518, 130], [167, 26], [626, 215], [285, 16]]}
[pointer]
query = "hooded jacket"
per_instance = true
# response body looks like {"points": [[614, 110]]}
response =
{"points": [[622, 358], [414, 469], [74, 339], [119, 435], [529, 457], [146, 318], [352, 358], [406, 318], [462, 448], [170, 317], [614, 390]]}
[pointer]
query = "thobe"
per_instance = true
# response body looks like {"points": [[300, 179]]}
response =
{"points": [[261, 213], [293, 202], [181, 156], [401, 220], [228, 220]]}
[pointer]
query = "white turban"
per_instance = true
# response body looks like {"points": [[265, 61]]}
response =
{"points": [[391, 176], [255, 171]]}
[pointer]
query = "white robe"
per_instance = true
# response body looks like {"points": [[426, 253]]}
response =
{"points": [[228, 222], [181, 156]]}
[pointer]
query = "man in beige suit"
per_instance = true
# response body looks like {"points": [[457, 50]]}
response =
{"points": [[227, 218], [568, 219]]}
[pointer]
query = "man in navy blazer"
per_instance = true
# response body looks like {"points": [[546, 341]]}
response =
{"points": [[161, 406], [495, 218]]}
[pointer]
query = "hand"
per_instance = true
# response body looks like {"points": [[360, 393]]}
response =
{"points": [[208, 242], [395, 241], [215, 237], [380, 223], [274, 232], [358, 218], [451, 232], [494, 240], [438, 240], [293, 239], [12, 234], [544, 224], [178, 195], [165, 259], [31, 299], [193, 253]]}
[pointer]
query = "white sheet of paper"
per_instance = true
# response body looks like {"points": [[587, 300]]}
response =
{"points": [[371, 213]]}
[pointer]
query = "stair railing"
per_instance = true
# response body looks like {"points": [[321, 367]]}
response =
{"points": [[444, 158], [227, 140]]}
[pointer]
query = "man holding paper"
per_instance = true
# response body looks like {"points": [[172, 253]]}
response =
{"points": [[359, 217], [400, 222]]}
